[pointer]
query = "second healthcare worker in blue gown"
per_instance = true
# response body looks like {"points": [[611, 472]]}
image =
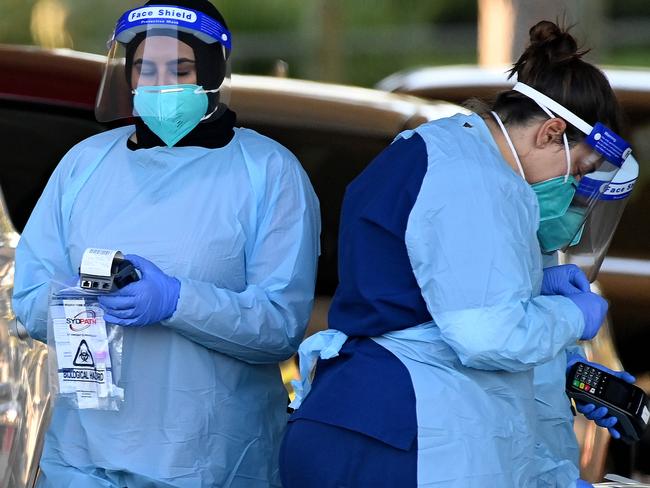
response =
{"points": [[223, 225], [427, 376]]}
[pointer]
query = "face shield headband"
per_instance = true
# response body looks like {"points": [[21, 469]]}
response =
{"points": [[183, 19], [210, 41], [603, 140], [601, 195]]}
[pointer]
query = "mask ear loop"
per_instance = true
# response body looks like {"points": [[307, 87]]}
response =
{"points": [[568, 157], [207, 116], [200, 89], [567, 153], [509, 141]]}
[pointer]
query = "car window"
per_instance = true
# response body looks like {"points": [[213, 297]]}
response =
{"points": [[34, 138], [332, 160]]}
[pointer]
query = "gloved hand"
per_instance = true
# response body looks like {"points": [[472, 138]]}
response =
{"points": [[589, 410], [593, 308], [151, 299], [566, 279], [584, 484]]}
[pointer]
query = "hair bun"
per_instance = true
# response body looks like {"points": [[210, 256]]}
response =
{"points": [[544, 31], [552, 42]]}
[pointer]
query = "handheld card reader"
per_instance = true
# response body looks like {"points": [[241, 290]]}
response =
{"points": [[105, 270], [626, 402]]}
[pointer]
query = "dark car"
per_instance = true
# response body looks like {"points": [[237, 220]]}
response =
{"points": [[46, 106]]}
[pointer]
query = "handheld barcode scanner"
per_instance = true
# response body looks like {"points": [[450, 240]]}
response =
{"points": [[105, 270], [626, 402]]}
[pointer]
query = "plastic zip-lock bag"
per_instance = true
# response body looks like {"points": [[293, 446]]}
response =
{"points": [[85, 353]]}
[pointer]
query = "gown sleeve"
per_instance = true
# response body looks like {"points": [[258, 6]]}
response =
{"points": [[266, 321], [41, 254], [471, 239]]}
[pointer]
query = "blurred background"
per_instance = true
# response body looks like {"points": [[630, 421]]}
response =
{"points": [[334, 130], [356, 41]]}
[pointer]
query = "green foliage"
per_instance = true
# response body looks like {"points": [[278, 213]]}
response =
{"points": [[389, 12], [368, 70], [266, 15], [91, 23], [458, 11], [628, 8], [14, 21], [630, 56], [353, 41]]}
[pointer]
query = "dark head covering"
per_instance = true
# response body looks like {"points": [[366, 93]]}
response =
{"points": [[210, 72], [210, 58]]}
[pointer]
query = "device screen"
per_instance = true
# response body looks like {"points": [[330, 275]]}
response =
{"points": [[618, 393]]}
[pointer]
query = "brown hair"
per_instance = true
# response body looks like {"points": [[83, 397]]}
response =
{"points": [[552, 64]]}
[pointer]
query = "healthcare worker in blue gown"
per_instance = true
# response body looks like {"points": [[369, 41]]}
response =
{"points": [[223, 225], [427, 376]]}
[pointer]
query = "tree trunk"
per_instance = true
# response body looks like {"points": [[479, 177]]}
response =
{"points": [[504, 25], [323, 31]]}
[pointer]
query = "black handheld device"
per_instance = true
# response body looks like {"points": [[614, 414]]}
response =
{"points": [[626, 402], [124, 273]]}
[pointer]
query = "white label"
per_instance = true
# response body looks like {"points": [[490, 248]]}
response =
{"points": [[645, 415], [162, 13], [98, 262], [84, 363]]}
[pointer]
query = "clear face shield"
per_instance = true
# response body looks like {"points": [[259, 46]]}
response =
{"points": [[168, 65], [603, 219], [582, 222]]}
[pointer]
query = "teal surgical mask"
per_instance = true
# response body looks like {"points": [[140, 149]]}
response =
{"points": [[559, 224], [171, 111]]}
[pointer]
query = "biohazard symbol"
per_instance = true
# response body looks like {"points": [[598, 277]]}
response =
{"points": [[83, 356]]}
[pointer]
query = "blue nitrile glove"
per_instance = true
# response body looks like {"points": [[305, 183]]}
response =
{"points": [[593, 308], [589, 410], [584, 484], [569, 281], [151, 299], [566, 279]]}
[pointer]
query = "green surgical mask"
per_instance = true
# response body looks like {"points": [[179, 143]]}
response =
{"points": [[558, 224]]}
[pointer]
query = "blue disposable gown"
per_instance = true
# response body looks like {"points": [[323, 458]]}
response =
{"points": [[472, 242], [461, 394], [556, 446], [239, 227]]}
